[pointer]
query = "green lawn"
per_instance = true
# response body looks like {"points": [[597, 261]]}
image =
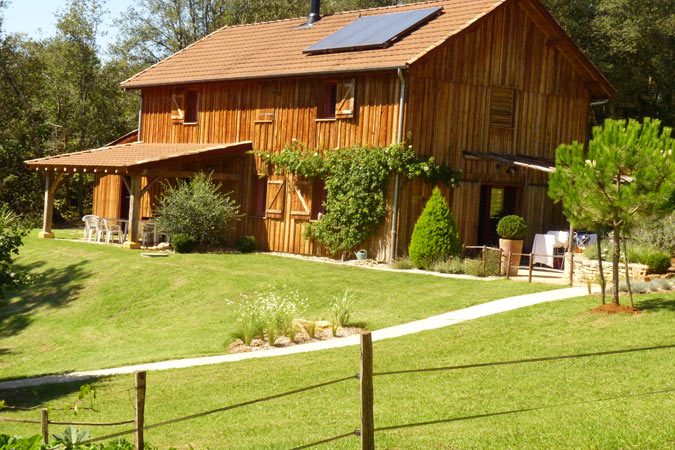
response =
{"points": [[100, 306], [568, 388]]}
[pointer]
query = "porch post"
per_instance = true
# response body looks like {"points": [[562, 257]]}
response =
{"points": [[134, 212], [48, 214]]}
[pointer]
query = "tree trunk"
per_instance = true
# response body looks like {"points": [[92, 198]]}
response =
{"points": [[625, 256], [603, 282], [615, 261]]}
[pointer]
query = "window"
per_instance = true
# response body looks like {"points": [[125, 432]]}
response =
{"points": [[345, 99], [260, 198], [191, 107], [184, 106], [329, 99], [502, 105]]}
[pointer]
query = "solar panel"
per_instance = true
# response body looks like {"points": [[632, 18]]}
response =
{"points": [[373, 31]]}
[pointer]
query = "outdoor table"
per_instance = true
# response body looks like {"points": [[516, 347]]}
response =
{"points": [[545, 244], [124, 222]]}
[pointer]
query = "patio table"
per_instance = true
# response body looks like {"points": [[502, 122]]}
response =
{"points": [[123, 222]]}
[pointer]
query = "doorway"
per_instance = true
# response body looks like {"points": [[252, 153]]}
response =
{"points": [[124, 201], [495, 203]]}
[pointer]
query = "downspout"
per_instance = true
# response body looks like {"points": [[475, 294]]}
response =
{"points": [[397, 177]]}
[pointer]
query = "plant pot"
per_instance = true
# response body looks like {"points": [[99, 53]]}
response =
{"points": [[361, 255], [509, 246]]}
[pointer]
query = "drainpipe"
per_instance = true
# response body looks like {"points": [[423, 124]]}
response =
{"points": [[397, 177], [600, 102]]}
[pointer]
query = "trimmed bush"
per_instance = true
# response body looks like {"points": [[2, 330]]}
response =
{"points": [[197, 208], [512, 227], [658, 261], [183, 243], [246, 244], [435, 236]]}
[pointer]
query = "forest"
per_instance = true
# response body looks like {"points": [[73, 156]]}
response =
{"points": [[60, 93]]}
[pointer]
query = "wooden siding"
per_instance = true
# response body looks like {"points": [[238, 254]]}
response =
{"points": [[449, 104], [273, 113]]}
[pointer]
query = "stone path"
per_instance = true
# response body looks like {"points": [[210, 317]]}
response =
{"points": [[431, 323]]}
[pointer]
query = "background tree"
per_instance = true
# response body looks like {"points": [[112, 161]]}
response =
{"points": [[627, 174], [154, 29], [633, 44]]}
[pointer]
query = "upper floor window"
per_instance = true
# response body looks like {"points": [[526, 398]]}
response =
{"points": [[338, 100], [185, 106], [329, 99]]}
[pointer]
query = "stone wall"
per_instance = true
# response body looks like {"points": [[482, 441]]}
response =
{"points": [[586, 270]]}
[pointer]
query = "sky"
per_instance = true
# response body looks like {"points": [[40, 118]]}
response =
{"points": [[36, 18]]}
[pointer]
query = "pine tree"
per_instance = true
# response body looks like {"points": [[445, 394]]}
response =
{"points": [[435, 236], [626, 177]]}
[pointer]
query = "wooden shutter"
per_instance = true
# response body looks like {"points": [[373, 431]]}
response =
{"points": [[276, 197], [301, 199], [178, 106], [502, 105], [344, 108]]}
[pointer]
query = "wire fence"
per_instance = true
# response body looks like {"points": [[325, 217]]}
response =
{"points": [[365, 378]]}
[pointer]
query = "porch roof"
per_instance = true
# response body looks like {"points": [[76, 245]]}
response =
{"points": [[133, 157]]}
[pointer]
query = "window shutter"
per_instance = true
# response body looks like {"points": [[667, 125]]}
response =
{"points": [[344, 108], [178, 106], [502, 105], [301, 203], [276, 197]]}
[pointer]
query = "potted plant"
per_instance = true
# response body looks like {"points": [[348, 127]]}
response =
{"points": [[511, 231]]}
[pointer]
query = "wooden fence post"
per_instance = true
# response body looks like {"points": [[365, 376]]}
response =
{"points": [[572, 268], [531, 263], [463, 251], [366, 385], [484, 261], [508, 266], [139, 423], [501, 255], [44, 424]]}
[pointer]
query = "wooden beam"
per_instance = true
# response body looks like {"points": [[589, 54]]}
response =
{"points": [[51, 183], [151, 183], [190, 174], [134, 212]]}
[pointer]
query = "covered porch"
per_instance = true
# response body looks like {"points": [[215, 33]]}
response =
{"points": [[137, 169]]}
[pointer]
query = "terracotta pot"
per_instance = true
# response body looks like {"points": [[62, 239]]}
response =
{"points": [[511, 246]]}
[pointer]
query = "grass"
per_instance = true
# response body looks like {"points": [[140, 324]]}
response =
{"points": [[568, 389], [101, 306]]}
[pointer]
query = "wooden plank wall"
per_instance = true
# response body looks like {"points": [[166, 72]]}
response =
{"points": [[229, 112], [449, 112], [107, 193]]}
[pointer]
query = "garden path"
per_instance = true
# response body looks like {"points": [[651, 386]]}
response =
{"points": [[431, 323]]}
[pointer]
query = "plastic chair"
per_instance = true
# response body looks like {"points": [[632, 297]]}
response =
{"points": [[92, 227], [112, 229]]}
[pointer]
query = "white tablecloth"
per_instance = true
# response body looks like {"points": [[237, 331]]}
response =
{"points": [[544, 244]]}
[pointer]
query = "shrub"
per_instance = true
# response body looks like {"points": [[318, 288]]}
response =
{"points": [[474, 267], [659, 284], [198, 209], [512, 227], [435, 236], [341, 311], [453, 265], [11, 238], [657, 234], [402, 263], [638, 286], [246, 244], [183, 243], [658, 261]]}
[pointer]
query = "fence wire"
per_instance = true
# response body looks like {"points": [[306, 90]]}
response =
{"points": [[518, 411], [326, 441], [225, 408], [523, 361]]}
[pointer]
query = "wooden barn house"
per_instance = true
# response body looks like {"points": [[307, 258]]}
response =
{"points": [[488, 87]]}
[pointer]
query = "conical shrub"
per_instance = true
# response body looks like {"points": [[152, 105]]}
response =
{"points": [[435, 236]]}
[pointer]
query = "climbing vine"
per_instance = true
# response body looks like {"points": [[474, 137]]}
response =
{"points": [[356, 180]]}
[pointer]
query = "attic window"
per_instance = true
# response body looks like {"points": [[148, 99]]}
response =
{"points": [[502, 106], [338, 100]]}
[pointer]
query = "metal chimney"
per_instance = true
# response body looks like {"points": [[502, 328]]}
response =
{"points": [[314, 14]]}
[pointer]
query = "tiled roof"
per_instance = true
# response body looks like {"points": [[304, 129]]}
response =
{"points": [[275, 48], [126, 157]]}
